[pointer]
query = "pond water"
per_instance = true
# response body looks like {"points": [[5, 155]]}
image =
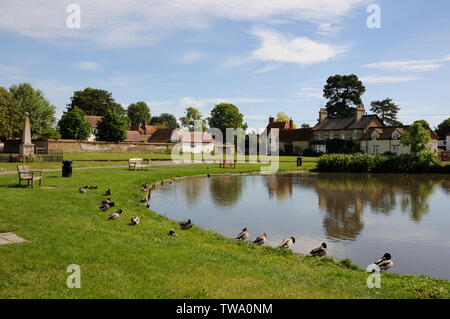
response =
{"points": [[359, 216]]}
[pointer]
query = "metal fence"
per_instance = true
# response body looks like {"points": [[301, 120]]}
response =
{"points": [[51, 156]]}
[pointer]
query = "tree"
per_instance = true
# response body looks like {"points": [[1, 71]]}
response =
{"points": [[191, 115], [138, 112], [49, 133], [165, 120], [10, 116], [387, 111], [73, 125], [283, 117], [41, 112], [344, 94], [443, 129], [225, 116], [417, 137], [112, 128], [422, 122], [95, 102], [305, 125]]}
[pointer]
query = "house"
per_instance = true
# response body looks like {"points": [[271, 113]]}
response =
{"points": [[291, 141], [191, 142], [448, 142], [93, 120], [379, 140], [348, 128]]}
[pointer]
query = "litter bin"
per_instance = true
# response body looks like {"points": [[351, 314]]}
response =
{"points": [[299, 161], [67, 169]]}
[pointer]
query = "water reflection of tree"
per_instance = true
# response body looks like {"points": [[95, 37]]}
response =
{"points": [[192, 190], [226, 191], [280, 186]]}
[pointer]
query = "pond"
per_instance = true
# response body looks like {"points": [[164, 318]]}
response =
{"points": [[359, 216]]}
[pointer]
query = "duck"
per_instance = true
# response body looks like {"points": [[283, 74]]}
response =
{"points": [[144, 200], [172, 233], [82, 190], [287, 242], [105, 207], [108, 192], [106, 201], [243, 235], [93, 187], [135, 220], [320, 251], [146, 186], [260, 240], [114, 215], [144, 190], [186, 225], [385, 262], [147, 204]]}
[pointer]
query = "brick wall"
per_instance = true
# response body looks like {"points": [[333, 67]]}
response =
{"points": [[444, 156]]}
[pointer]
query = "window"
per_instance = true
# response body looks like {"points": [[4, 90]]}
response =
{"points": [[395, 135], [374, 135], [395, 149], [192, 144], [375, 149]]}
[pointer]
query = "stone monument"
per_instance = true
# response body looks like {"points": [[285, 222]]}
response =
{"points": [[26, 148]]}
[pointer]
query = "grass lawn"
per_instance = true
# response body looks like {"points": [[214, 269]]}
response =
{"points": [[121, 261]]}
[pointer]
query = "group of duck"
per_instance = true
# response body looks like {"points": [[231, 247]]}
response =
{"points": [[384, 263]]}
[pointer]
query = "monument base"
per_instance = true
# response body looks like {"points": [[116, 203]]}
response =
{"points": [[26, 149]]}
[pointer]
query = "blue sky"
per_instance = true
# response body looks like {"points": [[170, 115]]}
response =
{"points": [[263, 56]]}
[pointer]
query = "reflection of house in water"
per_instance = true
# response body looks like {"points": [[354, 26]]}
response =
{"points": [[225, 191], [280, 186], [446, 186]]}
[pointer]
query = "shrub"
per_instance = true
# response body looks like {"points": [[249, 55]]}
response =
{"points": [[311, 153]]}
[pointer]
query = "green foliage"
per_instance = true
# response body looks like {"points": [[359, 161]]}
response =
{"points": [[112, 128], [95, 102], [138, 113], [387, 111], [337, 145], [305, 125], [41, 112], [417, 138], [424, 289], [443, 129], [225, 116], [374, 163], [422, 122], [344, 94], [10, 116], [49, 133], [283, 117], [165, 120], [192, 115], [347, 263], [310, 152], [73, 125]]}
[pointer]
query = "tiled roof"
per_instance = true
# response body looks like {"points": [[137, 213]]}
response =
{"points": [[300, 134], [162, 135], [93, 119], [136, 136], [346, 123], [386, 132]]}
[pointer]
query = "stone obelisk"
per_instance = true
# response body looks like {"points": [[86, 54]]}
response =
{"points": [[26, 148]]}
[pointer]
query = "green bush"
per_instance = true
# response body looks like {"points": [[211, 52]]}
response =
{"points": [[368, 163]]}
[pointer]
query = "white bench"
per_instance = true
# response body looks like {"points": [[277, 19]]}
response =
{"points": [[138, 162]]}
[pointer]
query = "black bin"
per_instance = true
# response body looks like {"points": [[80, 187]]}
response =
{"points": [[67, 169], [299, 161]]}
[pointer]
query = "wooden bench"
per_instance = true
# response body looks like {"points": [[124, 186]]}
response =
{"points": [[225, 162], [27, 175], [138, 162]]}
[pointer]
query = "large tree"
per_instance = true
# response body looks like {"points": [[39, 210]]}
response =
{"points": [[387, 111], [283, 117], [40, 110], [225, 116], [344, 94], [165, 120], [191, 115], [10, 116], [417, 137], [73, 125], [138, 112], [95, 102], [443, 129], [112, 128]]}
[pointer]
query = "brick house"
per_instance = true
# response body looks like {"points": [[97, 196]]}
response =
{"points": [[291, 141]]}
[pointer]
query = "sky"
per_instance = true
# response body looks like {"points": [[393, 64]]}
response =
{"points": [[264, 56]]}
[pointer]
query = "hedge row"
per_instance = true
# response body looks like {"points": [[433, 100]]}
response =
{"points": [[368, 163]]}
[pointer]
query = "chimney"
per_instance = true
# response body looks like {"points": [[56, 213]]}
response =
{"points": [[271, 119], [360, 112], [291, 124], [323, 114]]}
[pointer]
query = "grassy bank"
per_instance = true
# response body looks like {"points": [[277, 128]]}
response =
{"points": [[120, 261]]}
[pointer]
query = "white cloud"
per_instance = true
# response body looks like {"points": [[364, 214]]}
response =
{"points": [[375, 79], [328, 29], [267, 68], [191, 56], [411, 65], [87, 66], [303, 51], [115, 22], [310, 93]]}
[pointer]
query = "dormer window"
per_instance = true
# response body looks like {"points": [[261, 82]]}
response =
{"points": [[374, 135], [395, 135]]}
